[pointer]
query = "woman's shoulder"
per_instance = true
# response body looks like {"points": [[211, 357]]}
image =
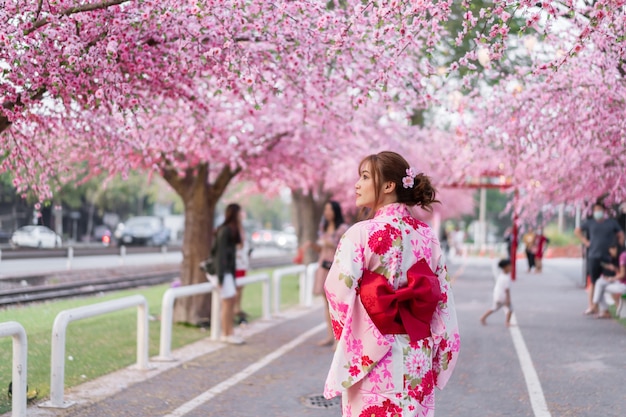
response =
{"points": [[224, 231], [343, 228], [356, 229], [366, 227]]}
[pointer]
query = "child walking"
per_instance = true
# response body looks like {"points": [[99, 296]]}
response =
{"points": [[501, 292]]}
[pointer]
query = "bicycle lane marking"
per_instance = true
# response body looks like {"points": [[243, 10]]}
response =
{"points": [[240, 376], [535, 392]]}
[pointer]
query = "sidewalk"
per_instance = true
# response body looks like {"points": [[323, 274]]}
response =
{"points": [[280, 367]]}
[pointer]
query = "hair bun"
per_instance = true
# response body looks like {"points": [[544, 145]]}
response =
{"points": [[424, 193]]}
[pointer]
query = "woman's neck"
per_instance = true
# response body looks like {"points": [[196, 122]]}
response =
{"points": [[385, 202]]}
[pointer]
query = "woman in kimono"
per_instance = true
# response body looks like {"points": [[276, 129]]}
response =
{"points": [[389, 299]]}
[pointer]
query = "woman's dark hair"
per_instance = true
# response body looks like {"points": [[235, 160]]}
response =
{"points": [[337, 215], [390, 166], [231, 220]]}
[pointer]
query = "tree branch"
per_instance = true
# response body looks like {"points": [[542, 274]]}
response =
{"points": [[74, 10], [10, 105], [222, 181], [39, 6]]}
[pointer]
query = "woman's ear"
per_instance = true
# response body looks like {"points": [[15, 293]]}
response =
{"points": [[390, 187]]}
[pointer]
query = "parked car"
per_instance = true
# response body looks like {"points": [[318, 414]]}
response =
{"points": [[263, 237], [274, 238], [35, 236], [144, 230], [5, 237], [286, 240]]}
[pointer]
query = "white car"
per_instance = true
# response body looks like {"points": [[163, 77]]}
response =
{"points": [[35, 237]]}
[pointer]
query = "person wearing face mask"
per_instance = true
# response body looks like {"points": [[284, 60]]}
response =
{"points": [[597, 234]]}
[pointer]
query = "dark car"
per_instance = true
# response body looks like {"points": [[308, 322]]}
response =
{"points": [[5, 237], [144, 230]]}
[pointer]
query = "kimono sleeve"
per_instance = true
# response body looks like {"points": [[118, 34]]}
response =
{"points": [[342, 281], [445, 331]]}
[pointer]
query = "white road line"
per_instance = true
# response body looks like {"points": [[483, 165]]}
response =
{"points": [[537, 400], [226, 384]]}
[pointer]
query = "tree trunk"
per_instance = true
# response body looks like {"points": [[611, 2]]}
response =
{"points": [[4, 123], [307, 215], [200, 198], [92, 209]]}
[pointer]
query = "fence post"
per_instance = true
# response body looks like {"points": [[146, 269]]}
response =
{"points": [[265, 293], [311, 270], [59, 330], [216, 318], [167, 314], [122, 254], [20, 358], [276, 292], [70, 257], [277, 277], [302, 284]]}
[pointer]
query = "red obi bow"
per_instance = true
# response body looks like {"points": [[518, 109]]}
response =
{"points": [[407, 310]]}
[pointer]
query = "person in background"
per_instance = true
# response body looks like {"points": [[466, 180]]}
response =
{"points": [[445, 244], [242, 264], [332, 228], [530, 248], [612, 280], [228, 237], [508, 239], [597, 234], [390, 300], [501, 292], [540, 245], [458, 238]]}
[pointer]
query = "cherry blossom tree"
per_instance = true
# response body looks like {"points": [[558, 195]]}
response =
{"points": [[556, 127], [202, 91]]}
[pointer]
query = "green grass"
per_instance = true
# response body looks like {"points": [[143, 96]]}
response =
{"points": [[560, 239], [106, 343]]}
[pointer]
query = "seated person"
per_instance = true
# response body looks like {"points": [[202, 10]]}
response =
{"points": [[612, 280]]}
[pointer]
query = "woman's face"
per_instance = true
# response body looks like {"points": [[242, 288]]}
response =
{"points": [[329, 214], [364, 187]]}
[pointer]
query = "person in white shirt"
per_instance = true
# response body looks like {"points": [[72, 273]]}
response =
{"points": [[501, 292], [242, 264]]}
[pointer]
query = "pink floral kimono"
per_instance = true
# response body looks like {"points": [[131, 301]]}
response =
{"points": [[393, 316]]}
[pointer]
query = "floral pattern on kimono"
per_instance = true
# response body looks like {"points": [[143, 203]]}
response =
{"points": [[387, 374]]}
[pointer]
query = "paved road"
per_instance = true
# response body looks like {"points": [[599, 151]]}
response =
{"points": [[575, 364], [15, 267]]}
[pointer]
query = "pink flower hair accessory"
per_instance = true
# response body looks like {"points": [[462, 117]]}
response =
{"points": [[409, 180]]}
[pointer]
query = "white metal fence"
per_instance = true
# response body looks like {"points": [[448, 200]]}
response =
{"points": [[305, 273], [277, 277], [62, 320], [167, 313], [20, 353]]}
